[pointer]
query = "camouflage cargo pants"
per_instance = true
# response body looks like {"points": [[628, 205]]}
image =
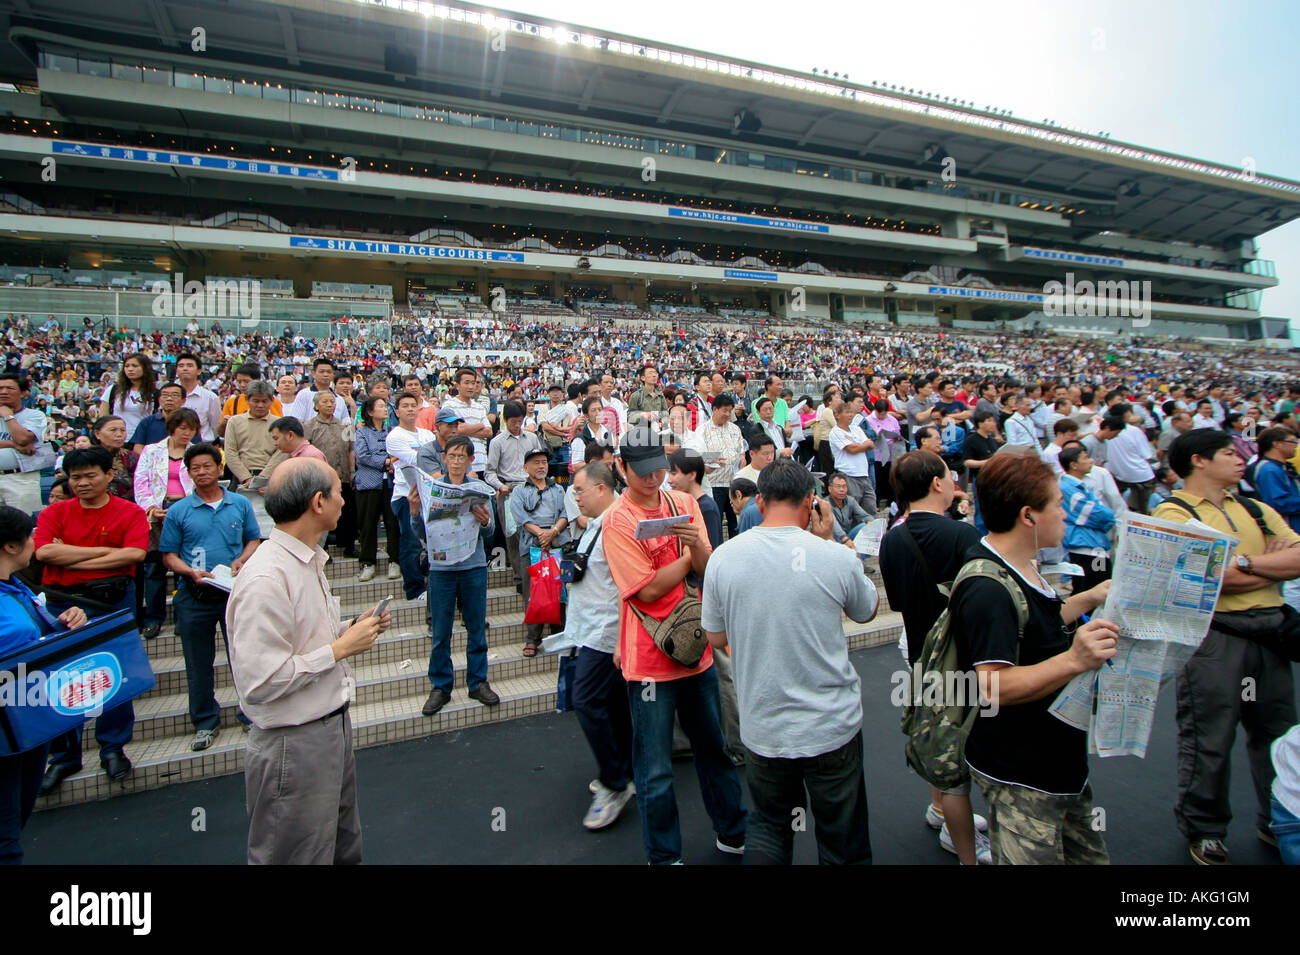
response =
{"points": [[1027, 827]]}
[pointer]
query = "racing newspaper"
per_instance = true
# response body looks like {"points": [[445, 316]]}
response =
{"points": [[1164, 586], [451, 531]]}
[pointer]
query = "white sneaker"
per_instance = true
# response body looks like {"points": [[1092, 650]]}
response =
{"points": [[605, 807], [367, 573], [596, 785], [422, 599], [394, 572], [983, 851], [934, 819]]}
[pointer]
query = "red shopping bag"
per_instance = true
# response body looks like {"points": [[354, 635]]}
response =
{"points": [[545, 588]]}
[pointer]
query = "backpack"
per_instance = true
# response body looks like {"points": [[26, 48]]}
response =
{"points": [[937, 730]]}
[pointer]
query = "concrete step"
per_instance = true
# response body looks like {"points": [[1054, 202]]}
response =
{"points": [[389, 698]]}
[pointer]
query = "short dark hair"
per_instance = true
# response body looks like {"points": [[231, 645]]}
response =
{"points": [[172, 384], [1206, 442], [288, 424], [576, 388], [17, 378], [759, 439], [925, 431], [291, 496], [321, 361], [588, 402], [464, 370], [981, 416], [593, 450], [598, 473], [913, 473], [1010, 481], [1113, 423], [190, 356], [405, 394], [183, 416], [368, 407], [15, 525], [724, 400], [92, 457], [786, 481], [1065, 426], [742, 486], [687, 462], [1271, 436], [1070, 455], [200, 449], [459, 441], [513, 409], [250, 368], [645, 368]]}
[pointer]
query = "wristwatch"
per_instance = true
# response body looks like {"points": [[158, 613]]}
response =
{"points": [[1244, 564]]}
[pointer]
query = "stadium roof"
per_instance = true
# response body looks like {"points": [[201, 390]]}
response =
{"points": [[453, 54]]}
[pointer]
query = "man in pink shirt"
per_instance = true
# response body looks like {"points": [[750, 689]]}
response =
{"points": [[291, 442]]}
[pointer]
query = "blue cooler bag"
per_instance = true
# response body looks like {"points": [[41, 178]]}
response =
{"points": [[64, 678]]}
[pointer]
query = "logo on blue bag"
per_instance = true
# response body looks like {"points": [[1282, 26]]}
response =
{"points": [[84, 685]]}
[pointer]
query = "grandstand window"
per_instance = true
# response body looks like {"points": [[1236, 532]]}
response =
{"points": [[91, 67], [276, 92], [124, 71], [217, 84], [251, 90]]}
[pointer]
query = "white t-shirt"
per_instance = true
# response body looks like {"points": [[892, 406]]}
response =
{"points": [[473, 414], [1127, 454], [129, 407], [404, 445], [854, 465], [594, 602]]}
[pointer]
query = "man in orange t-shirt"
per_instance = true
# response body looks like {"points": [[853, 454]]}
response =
{"points": [[650, 574]]}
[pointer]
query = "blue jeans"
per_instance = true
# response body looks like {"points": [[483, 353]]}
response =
{"points": [[979, 520], [196, 625], [445, 586], [694, 699], [1286, 827], [113, 729], [410, 552], [155, 592], [20, 782]]}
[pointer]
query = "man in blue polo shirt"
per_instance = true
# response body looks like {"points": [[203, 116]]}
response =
{"points": [[212, 527]]}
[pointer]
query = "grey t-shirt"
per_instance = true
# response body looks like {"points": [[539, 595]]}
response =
{"points": [[779, 593]]}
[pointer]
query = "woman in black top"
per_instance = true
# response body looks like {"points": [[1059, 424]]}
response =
{"points": [[1031, 766]]}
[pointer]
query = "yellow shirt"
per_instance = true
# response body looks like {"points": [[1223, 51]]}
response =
{"points": [[1234, 519]]}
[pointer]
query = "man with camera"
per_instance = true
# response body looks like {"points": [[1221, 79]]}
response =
{"points": [[599, 691]]}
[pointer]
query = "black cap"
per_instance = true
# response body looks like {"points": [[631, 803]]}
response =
{"points": [[529, 455], [642, 450]]}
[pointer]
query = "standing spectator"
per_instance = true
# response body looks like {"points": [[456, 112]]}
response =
{"points": [[463, 584], [134, 395], [237, 403], [599, 691], [1020, 429], [287, 647], [24, 621], [1087, 520], [1279, 487], [402, 444], [110, 434], [473, 418], [686, 474], [923, 551], [537, 509], [373, 486], [330, 435], [1179, 422], [650, 575], [980, 445], [23, 450], [1128, 458], [800, 697], [250, 447], [587, 428], [1063, 432], [304, 402], [1031, 767], [505, 471], [286, 391], [160, 481], [765, 412], [211, 527], [1210, 703], [204, 403], [90, 547], [647, 405], [852, 449], [718, 434], [888, 445], [153, 428]]}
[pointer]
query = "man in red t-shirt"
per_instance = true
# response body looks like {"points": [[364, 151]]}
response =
{"points": [[650, 575], [90, 547]]}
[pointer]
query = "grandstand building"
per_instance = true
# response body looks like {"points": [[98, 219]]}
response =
{"points": [[356, 157]]}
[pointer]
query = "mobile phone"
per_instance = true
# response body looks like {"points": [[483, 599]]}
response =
{"points": [[383, 605]]}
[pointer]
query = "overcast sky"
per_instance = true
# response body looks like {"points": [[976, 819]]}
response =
{"points": [[1209, 80]]}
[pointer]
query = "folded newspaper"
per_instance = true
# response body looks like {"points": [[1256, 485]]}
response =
{"points": [[1164, 586], [451, 531]]}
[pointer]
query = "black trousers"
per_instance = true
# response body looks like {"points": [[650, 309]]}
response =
{"points": [[1095, 571], [371, 508], [345, 535], [722, 497], [784, 792], [600, 700]]}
